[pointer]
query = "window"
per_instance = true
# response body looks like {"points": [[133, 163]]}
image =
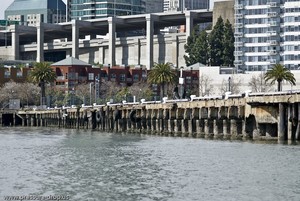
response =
{"points": [[19, 73], [136, 77], [113, 76], [7, 73], [91, 76], [122, 77]]}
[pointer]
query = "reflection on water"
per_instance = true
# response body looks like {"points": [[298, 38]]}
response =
{"points": [[90, 165]]}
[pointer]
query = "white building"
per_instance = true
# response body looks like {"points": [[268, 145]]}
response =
{"points": [[267, 32], [215, 80]]}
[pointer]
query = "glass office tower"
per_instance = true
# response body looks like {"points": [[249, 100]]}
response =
{"points": [[178, 5], [32, 12], [92, 9]]}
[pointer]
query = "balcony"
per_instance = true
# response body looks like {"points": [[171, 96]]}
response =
{"points": [[239, 25], [238, 34], [272, 14], [273, 52], [272, 4], [238, 44], [238, 53], [272, 33], [238, 7], [238, 16], [273, 61], [238, 62], [273, 42], [273, 24]]}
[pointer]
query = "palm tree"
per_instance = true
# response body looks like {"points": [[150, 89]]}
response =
{"points": [[42, 74], [279, 73], [162, 74]]}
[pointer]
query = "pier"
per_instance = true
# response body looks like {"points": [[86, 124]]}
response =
{"points": [[274, 116]]}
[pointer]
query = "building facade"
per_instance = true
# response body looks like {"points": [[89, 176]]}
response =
{"points": [[32, 12], [10, 73], [154, 6], [92, 9], [267, 32], [180, 5]]}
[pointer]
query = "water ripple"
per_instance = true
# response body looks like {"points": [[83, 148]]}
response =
{"points": [[90, 165]]}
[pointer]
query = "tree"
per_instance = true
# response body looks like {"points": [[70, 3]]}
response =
{"points": [[109, 90], [205, 85], [82, 91], [10, 90], [259, 84], [190, 47], [26, 92], [42, 74], [234, 83], [216, 43], [197, 48], [202, 48], [216, 48], [279, 73], [141, 90], [29, 93], [162, 74], [228, 45]]}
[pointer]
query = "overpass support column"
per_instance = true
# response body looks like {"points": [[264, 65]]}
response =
{"points": [[112, 40], [101, 55], [15, 42], [40, 43], [75, 39], [297, 135], [175, 48], [189, 23], [150, 32], [281, 123]]}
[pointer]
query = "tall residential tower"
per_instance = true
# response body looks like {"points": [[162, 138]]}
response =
{"points": [[92, 9], [267, 32]]}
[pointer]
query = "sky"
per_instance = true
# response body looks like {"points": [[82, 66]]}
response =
{"points": [[6, 3]]}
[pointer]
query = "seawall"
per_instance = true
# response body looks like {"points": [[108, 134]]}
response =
{"points": [[274, 116]]}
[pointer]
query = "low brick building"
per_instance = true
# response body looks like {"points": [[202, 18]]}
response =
{"points": [[13, 73]]}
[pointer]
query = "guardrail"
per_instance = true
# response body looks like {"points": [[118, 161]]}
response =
{"points": [[226, 96]]}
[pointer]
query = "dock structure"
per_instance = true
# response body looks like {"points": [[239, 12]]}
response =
{"points": [[248, 116]]}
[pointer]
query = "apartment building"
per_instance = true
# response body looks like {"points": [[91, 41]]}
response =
{"points": [[267, 32]]}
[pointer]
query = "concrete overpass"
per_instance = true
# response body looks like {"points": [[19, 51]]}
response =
{"points": [[17, 36]]}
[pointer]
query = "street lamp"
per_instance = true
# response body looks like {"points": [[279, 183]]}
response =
{"points": [[229, 84], [191, 81], [181, 82], [96, 88], [91, 85]]}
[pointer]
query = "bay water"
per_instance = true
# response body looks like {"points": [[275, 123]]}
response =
{"points": [[93, 165]]}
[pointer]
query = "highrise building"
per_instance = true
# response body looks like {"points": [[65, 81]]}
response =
{"points": [[32, 12], [154, 6], [267, 32], [179, 5], [92, 9]]}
